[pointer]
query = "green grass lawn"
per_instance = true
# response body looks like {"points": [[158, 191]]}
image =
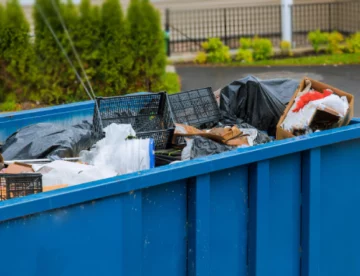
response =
{"points": [[339, 59]]}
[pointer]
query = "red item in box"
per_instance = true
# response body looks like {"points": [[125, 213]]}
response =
{"points": [[311, 96]]}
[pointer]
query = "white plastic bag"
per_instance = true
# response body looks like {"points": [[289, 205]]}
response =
{"points": [[116, 153], [64, 172], [340, 105], [124, 157], [186, 152], [302, 118], [252, 134], [111, 156]]}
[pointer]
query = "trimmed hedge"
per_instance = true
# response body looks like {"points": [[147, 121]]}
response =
{"points": [[120, 54]]}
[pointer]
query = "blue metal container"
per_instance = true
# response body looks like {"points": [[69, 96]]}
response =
{"points": [[287, 208]]}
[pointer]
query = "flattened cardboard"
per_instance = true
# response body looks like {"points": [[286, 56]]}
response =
{"points": [[2, 192], [319, 86], [55, 187], [16, 168]]}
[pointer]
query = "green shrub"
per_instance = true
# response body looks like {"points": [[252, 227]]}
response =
{"points": [[262, 48], [137, 39], [70, 15], [2, 62], [170, 82], [318, 39], [245, 55], [147, 46], [245, 43], [9, 104], [201, 58], [353, 43], [18, 72], [2, 18], [71, 87], [115, 61], [285, 47], [56, 74], [334, 41], [155, 46], [216, 51], [212, 45], [87, 39]]}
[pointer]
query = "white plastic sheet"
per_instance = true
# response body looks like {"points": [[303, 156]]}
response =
{"points": [[116, 153], [64, 172], [111, 156]]}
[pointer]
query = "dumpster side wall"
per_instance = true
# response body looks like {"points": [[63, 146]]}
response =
{"points": [[136, 233], [286, 208], [238, 221], [218, 217], [274, 225], [66, 115], [331, 193]]}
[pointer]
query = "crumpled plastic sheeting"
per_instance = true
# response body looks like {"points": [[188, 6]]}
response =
{"points": [[44, 140], [339, 104], [63, 172], [198, 146], [251, 135], [111, 156], [116, 153], [259, 103]]}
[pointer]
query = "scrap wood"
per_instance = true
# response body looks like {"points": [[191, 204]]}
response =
{"points": [[217, 134]]}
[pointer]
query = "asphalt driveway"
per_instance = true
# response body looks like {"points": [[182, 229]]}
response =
{"points": [[346, 78]]}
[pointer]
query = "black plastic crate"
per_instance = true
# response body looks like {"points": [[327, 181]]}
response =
{"points": [[197, 108], [149, 115], [19, 185]]}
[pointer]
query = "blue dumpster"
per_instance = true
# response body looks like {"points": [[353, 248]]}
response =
{"points": [[288, 208]]}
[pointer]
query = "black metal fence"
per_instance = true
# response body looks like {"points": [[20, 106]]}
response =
{"points": [[343, 17], [189, 28]]}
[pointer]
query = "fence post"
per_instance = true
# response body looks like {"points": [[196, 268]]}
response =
{"points": [[330, 17], [225, 28], [286, 20], [167, 30]]}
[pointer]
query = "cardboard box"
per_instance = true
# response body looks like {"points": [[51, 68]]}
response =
{"points": [[320, 114]]}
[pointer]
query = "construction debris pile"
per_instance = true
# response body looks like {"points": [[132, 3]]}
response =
{"points": [[139, 132]]}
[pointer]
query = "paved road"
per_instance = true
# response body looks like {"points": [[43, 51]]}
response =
{"points": [[346, 78]]}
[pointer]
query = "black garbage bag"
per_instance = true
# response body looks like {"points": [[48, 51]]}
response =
{"points": [[261, 138], [259, 103], [198, 146], [45, 140]]}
